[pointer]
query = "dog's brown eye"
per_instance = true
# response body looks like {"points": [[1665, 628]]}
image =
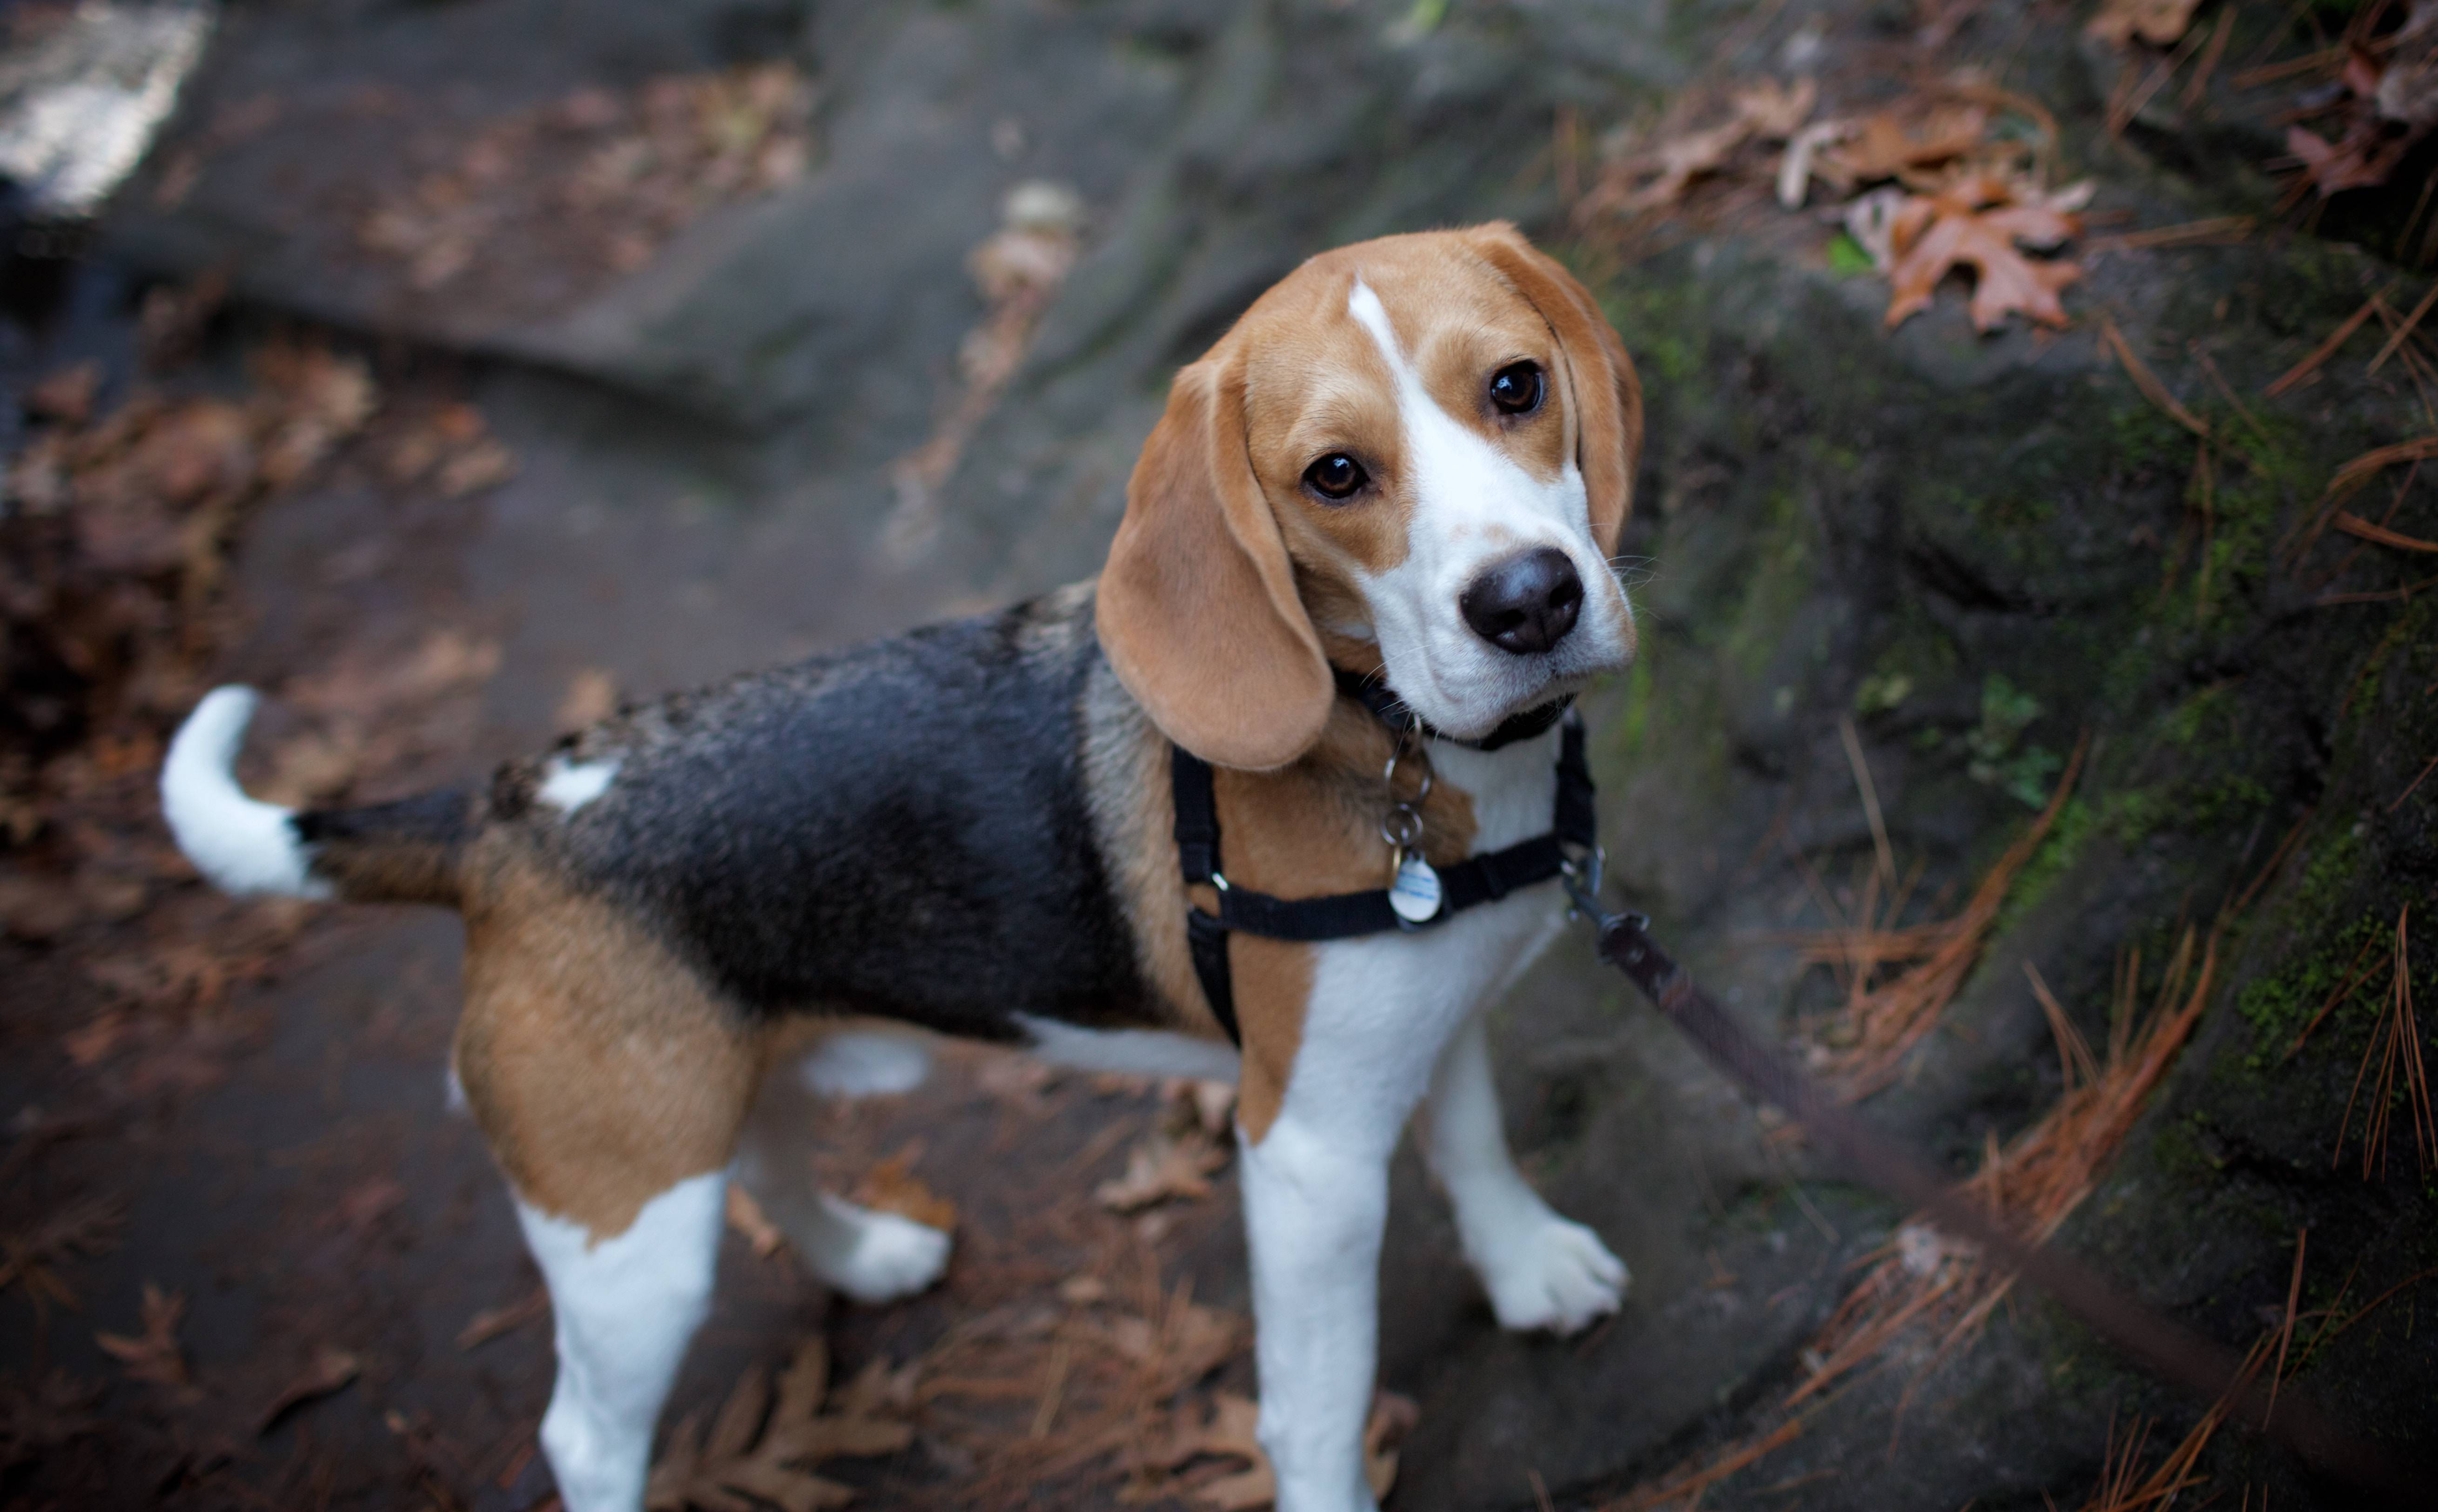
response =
{"points": [[1336, 476], [1516, 388]]}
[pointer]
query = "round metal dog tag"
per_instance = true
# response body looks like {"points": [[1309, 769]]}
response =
{"points": [[1415, 894]]}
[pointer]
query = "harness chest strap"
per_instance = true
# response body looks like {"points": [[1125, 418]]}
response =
{"points": [[1476, 880]]}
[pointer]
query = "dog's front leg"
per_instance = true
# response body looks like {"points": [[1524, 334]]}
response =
{"points": [[1316, 1202], [1542, 1271]]}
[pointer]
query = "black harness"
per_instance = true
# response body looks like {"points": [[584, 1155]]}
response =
{"points": [[1574, 828]]}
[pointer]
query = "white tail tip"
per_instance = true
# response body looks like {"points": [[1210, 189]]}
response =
{"points": [[243, 845]]}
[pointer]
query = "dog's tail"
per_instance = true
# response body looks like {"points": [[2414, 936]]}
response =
{"points": [[406, 851]]}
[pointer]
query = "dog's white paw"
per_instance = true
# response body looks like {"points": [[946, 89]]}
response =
{"points": [[1551, 1273], [891, 1255]]}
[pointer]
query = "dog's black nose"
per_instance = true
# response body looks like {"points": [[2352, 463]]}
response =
{"points": [[1525, 604]]}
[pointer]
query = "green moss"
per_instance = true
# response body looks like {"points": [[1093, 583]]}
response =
{"points": [[2229, 800], [2280, 1006], [2188, 721], [2140, 436], [2179, 1155], [2076, 824], [1654, 322], [2135, 814], [2280, 1003], [2006, 712]]}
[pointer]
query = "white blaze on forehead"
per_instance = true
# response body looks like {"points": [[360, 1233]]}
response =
{"points": [[569, 786], [1471, 505], [1465, 489]]}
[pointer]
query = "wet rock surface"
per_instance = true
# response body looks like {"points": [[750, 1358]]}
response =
{"points": [[1976, 549]]}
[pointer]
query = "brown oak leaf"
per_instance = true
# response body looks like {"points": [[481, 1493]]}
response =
{"points": [[2389, 107], [154, 1355], [1886, 145], [1228, 1433], [762, 1447], [1981, 221], [1662, 175], [1168, 1164]]}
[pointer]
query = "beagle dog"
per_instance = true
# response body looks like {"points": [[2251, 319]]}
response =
{"points": [[1408, 466]]}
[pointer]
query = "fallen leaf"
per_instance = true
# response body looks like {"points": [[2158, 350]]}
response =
{"points": [[1163, 1166], [1775, 111], [492, 1323], [484, 464], [88, 1228], [1977, 223], [2362, 158], [2388, 107], [892, 1186], [601, 179], [36, 909], [154, 1354], [1198, 1340], [1229, 1431], [1662, 174], [331, 1371], [744, 1215], [762, 1449], [93, 1043], [2159, 22], [1887, 145], [35, 1418], [1017, 269]]}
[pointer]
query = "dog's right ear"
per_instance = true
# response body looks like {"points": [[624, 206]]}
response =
{"points": [[1197, 609]]}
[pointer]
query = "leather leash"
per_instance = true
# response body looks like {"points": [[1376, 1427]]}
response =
{"points": [[2209, 1370]]}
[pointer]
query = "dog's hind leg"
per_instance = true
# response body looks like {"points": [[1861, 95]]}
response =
{"points": [[624, 1309], [611, 1086], [871, 1256]]}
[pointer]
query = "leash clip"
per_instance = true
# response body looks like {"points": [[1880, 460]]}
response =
{"points": [[1581, 874]]}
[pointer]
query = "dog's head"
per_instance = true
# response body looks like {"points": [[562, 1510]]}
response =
{"points": [[1415, 453]]}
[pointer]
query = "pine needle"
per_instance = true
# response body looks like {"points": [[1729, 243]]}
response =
{"points": [[2327, 349], [2147, 382], [2395, 1045], [1888, 1021]]}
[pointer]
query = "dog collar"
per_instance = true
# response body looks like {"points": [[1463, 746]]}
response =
{"points": [[1572, 840]]}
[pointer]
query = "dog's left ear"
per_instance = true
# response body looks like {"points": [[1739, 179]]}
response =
{"points": [[1607, 393]]}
